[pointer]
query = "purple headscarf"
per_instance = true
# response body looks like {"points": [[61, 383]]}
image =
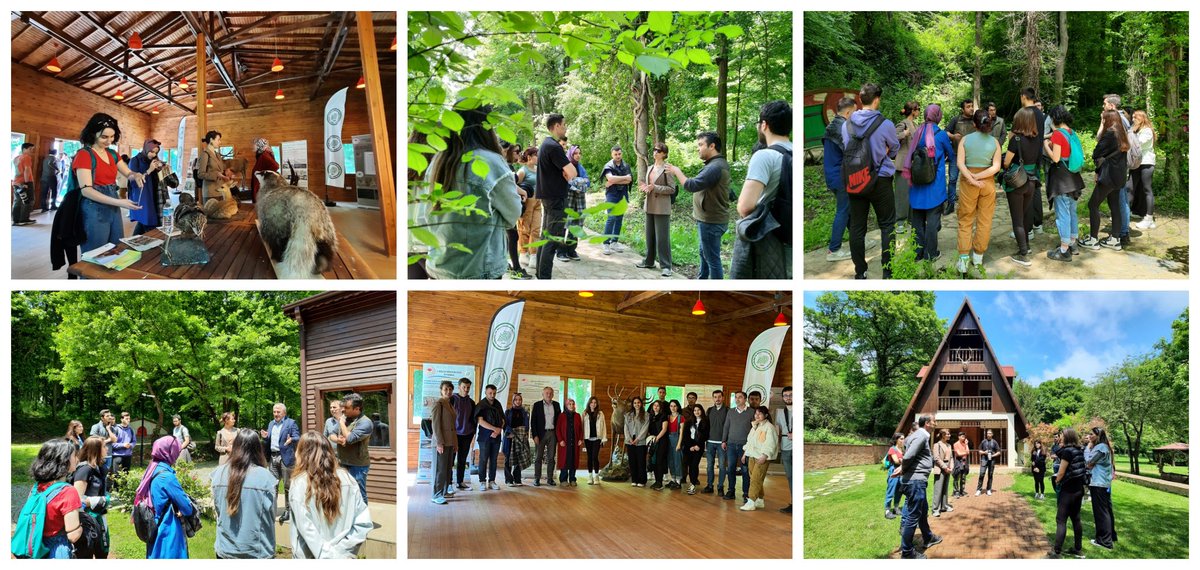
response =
{"points": [[166, 450], [571, 153], [933, 114]]}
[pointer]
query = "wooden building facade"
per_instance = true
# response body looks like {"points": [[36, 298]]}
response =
{"points": [[348, 344], [969, 390], [618, 340]]}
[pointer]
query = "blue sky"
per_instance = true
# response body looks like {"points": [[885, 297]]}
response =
{"points": [[1047, 334]]}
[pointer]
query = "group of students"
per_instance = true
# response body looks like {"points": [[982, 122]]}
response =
{"points": [[1076, 470], [957, 170], [323, 476], [524, 205], [744, 437]]}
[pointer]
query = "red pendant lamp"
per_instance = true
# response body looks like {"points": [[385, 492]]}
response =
{"points": [[277, 65], [119, 96], [279, 93], [54, 66], [208, 104], [135, 41], [183, 84], [698, 308], [393, 48], [362, 83], [781, 320], [154, 111]]}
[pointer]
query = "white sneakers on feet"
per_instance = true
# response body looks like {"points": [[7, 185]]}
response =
{"points": [[758, 503], [961, 266], [1147, 223], [978, 493], [749, 506], [617, 247], [977, 258], [840, 255], [493, 486], [608, 249]]}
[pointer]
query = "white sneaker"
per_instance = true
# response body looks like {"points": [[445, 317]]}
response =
{"points": [[483, 486], [1036, 230], [962, 263], [493, 486], [608, 249], [617, 247], [749, 506], [840, 255], [977, 258], [758, 503], [989, 493], [978, 493], [691, 489], [1147, 223], [666, 272]]}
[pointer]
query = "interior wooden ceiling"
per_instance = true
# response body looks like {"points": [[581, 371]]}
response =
{"points": [[92, 50], [676, 306]]}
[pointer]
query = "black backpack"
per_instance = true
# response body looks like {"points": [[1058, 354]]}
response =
{"points": [[145, 523], [781, 208], [93, 542], [923, 169], [859, 167]]}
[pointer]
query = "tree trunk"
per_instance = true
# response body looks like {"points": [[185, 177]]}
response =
{"points": [[641, 120], [978, 85], [1033, 55], [722, 87], [737, 108], [1175, 135], [157, 408], [659, 87], [1061, 64]]}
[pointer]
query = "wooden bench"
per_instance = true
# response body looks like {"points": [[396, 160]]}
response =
{"points": [[235, 252]]}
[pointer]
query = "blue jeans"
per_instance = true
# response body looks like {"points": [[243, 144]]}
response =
{"points": [[60, 547], [733, 455], [952, 186], [675, 456], [712, 456], [360, 475], [891, 498], [1066, 218], [612, 226], [1124, 209], [841, 219], [710, 250], [489, 450], [102, 222], [914, 515]]}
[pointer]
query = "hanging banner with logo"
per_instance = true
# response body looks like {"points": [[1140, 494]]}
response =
{"points": [[501, 347], [335, 155], [179, 148], [761, 360]]}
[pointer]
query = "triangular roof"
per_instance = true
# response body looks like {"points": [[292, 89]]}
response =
{"points": [[1007, 371]]}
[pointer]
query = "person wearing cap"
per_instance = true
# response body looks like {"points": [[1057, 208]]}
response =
{"points": [[150, 194]]}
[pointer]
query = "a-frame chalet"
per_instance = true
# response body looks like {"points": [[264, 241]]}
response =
{"points": [[968, 390]]}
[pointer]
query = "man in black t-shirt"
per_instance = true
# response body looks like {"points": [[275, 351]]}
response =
{"points": [[554, 171]]}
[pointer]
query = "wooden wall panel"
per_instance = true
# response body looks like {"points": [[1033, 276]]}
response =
{"points": [[45, 108], [294, 118], [615, 350], [352, 345]]}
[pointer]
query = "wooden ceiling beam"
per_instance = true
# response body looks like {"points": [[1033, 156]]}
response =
{"points": [[230, 36], [640, 298], [62, 36], [195, 22], [332, 53], [278, 31], [782, 301]]}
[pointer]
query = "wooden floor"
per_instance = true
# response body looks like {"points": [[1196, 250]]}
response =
{"points": [[359, 226], [612, 520]]}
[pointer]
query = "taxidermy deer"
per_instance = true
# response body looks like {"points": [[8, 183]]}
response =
{"points": [[223, 207]]}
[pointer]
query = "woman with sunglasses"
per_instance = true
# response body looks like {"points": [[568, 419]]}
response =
{"points": [[659, 189]]}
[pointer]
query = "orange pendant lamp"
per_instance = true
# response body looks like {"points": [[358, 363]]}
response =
{"points": [[208, 104], [183, 84], [119, 96], [781, 320], [279, 93], [362, 83], [698, 308], [54, 66], [135, 41], [154, 111], [277, 65]]}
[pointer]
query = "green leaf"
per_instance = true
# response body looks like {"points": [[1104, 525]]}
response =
{"points": [[436, 94], [452, 120], [418, 64], [575, 46], [417, 161], [537, 244], [482, 76], [425, 236], [577, 231], [571, 213], [681, 56], [625, 57], [415, 258], [438, 143], [620, 208], [506, 133], [421, 148], [480, 168], [654, 65], [731, 32], [431, 37], [700, 56], [659, 22], [460, 247]]}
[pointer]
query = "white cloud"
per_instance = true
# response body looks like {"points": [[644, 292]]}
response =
{"points": [[1097, 316], [1083, 364]]}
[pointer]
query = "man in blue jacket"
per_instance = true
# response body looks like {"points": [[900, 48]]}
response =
{"points": [[880, 196], [832, 159], [282, 435]]}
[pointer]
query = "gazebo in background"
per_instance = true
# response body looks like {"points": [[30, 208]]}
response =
{"points": [[1172, 454]]}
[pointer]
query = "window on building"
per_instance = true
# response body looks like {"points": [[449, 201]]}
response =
{"points": [[227, 152], [18, 139], [376, 407], [673, 393], [580, 390]]}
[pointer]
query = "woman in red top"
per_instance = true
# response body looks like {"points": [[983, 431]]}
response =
{"points": [[55, 460], [264, 161], [101, 206], [674, 440]]}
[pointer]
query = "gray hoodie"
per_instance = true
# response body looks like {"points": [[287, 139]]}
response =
{"points": [[884, 143]]}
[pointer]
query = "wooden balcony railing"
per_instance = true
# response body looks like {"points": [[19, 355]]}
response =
{"points": [[966, 355], [965, 403]]}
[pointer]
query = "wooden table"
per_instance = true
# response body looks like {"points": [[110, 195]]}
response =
{"points": [[235, 252]]}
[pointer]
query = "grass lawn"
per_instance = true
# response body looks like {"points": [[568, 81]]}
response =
{"points": [[22, 457], [1148, 468], [848, 523], [1149, 523]]}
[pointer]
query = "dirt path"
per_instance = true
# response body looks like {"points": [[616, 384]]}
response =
{"points": [[998, 526], [1160, 253]]}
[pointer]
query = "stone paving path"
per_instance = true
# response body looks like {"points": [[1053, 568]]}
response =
{"points": [[1002, 525], [1160, 253], [595, 265], [838, 482]]}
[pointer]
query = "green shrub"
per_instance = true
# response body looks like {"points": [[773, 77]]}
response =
{"points": [[822, 435], [128, 481]]}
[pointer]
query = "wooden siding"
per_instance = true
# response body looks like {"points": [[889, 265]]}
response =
{"points": [[615, 350], [348, 342]]}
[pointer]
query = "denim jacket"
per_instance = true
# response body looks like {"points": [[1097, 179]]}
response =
{"points": [[483, 235]]}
